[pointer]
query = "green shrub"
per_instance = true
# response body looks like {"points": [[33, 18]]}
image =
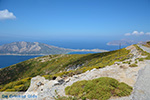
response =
{"points": [[127, 62], [136, 62], [148, 57], [102, 88], [21, 85], [67, 98], [133, 65], [9, 90], [123, 90], [141, 59]]}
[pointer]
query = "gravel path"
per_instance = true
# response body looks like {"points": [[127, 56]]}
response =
{"points": [[142, 86], [144, 48]]}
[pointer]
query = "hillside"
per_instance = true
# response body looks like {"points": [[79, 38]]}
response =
{"points": [[75, 67], [147, 44], [58, 65], [36, 48]]}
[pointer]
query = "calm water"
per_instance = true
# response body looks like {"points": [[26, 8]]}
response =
{"points": [[7, 60]]}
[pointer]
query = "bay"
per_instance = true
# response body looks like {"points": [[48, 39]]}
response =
{"points": [[7, 60]]}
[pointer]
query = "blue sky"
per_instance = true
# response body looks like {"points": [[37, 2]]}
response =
{"points": [[57, 21]]}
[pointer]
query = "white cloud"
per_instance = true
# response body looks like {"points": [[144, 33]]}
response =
{"points": [[5, 14], [148, 33], [127, 34], [136, 33], [141, 33]]}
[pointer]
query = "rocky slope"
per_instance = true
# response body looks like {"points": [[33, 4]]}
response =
{"points": [[36, 48], [59, 65], [46, 89]]}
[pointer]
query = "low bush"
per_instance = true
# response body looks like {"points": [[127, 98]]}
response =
{"points": [[67, 98], [9, 90], [136, 62], [133, 65], [141, 59], [127, 62], [102, 88], [21, 85], [123, 90], [148, 57]]}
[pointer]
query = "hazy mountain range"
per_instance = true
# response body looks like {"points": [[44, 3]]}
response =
{"points": [[122, 42], [36, 48]]}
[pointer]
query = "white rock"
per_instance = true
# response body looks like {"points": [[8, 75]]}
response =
{"points": [[93, 69]]}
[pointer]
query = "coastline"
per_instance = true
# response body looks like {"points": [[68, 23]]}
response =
{"points": [[76, 50], [24, 54]]}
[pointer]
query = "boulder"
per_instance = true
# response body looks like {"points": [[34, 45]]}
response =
{"points": [[42, 87], [36, 82], [60, 80], [39, 83], [123, 66]]}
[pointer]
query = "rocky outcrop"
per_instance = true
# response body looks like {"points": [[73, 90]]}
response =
{"points": [[48, 90], [44, 88]]}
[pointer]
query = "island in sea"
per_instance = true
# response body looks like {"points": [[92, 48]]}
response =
{"points": [[36, 48]]}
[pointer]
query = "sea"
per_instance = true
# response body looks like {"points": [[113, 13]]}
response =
{"points": [[7, 60]]}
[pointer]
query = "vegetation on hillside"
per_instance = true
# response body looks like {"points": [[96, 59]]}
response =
{"points": [[21, 85], [58, 65], [133, 65], [147, 44], [101, 88], [144, 53]]}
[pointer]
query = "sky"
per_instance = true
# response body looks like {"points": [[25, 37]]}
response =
{"points": [[70, 23]]}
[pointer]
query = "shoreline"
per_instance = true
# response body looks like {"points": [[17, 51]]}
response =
{"points": [[48, 54], [24, 54]]}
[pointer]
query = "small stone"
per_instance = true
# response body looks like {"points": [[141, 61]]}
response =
{"points": [[58, 78], [67, 80], [39, 84]]}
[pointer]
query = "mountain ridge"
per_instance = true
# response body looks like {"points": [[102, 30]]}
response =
{"points": [[36, 48]]}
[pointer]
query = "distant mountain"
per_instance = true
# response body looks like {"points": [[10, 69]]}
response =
{"points": [[36, 48], [31, 48], [122, 42]]}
